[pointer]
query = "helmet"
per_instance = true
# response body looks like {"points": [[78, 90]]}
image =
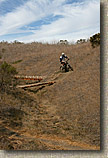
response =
{"points": [[63, 54]]}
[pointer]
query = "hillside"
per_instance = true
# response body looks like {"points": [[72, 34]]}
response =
{"points": [[62, 116]]}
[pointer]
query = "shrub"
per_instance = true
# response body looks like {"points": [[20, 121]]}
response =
{"points": [[3, 50], [7, 73], [95, 40]]}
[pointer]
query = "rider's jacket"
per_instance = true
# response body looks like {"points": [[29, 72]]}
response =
{"points": [[62, 58]]}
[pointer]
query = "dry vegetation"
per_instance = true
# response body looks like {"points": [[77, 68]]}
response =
{"points": [[63, 116]]}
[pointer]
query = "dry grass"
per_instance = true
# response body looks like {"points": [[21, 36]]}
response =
{"points": [[68, 109]]}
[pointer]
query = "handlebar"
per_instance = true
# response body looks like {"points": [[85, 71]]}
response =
{"points": [[67, 59]]}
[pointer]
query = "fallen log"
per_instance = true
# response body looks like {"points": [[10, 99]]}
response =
{"points": [[35, 84], [39, 78]]}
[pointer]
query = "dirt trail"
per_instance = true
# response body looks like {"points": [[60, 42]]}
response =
{"points": [[60, 143], [52, 142], [48, 117], [47, 122]]}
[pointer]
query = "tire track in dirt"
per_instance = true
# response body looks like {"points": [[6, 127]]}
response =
{"points": [[53, 142]]}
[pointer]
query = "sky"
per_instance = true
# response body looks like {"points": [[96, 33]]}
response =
{"points": [[48, 20]]}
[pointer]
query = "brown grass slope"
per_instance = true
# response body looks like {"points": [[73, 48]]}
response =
{"points": [[63, 116]]}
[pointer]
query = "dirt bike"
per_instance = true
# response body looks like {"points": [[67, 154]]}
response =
{"points": [[66, 66]]}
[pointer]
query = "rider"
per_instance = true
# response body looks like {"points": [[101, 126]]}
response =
{"points": [[62, 58]]}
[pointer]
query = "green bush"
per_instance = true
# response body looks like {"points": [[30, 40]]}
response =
{"points": [[7, 73], [95, 40]]}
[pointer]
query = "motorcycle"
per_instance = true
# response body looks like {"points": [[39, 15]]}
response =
{"points": [[65, 66]]}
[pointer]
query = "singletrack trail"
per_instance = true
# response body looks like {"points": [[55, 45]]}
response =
{"points": [[49, 122], [51, 141], [46, 126]]}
